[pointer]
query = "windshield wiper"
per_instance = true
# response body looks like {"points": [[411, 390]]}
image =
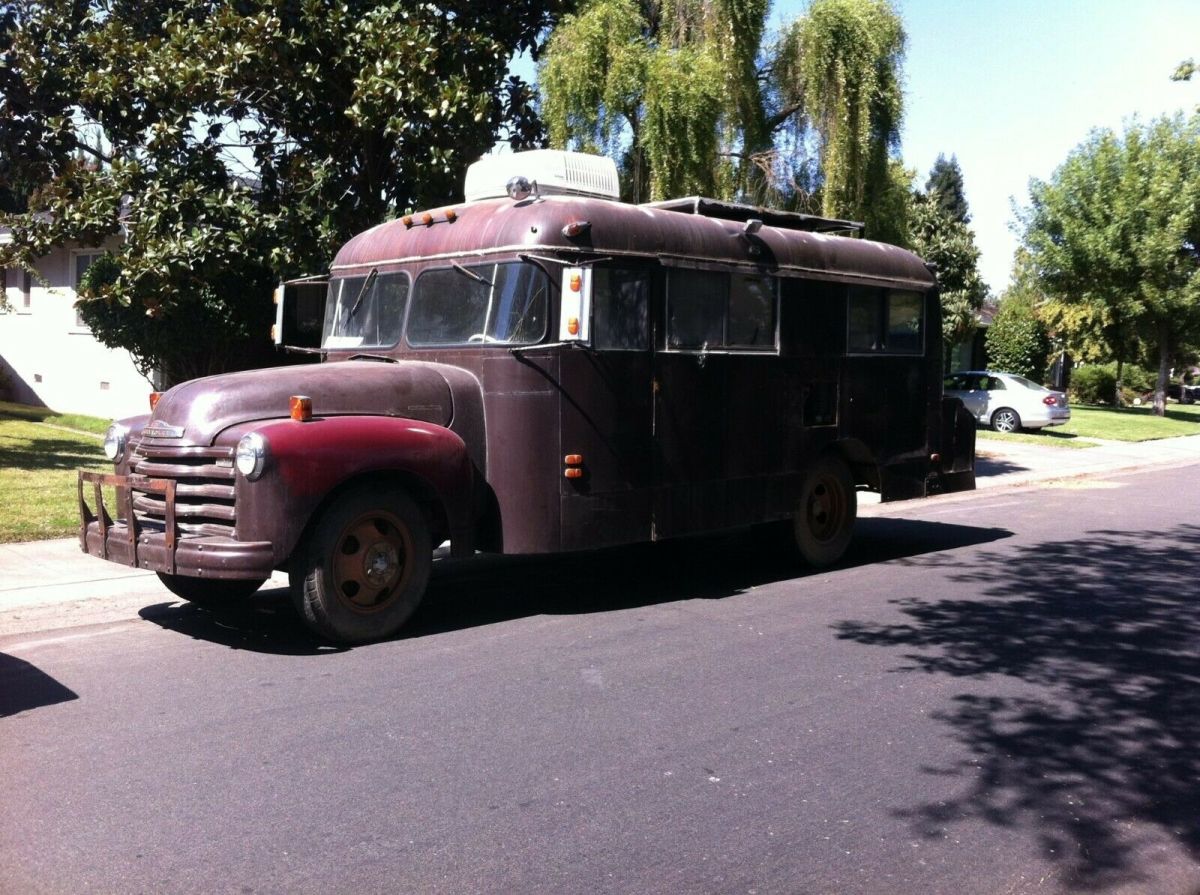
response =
{"points": [[474, 276], [363, 291]]}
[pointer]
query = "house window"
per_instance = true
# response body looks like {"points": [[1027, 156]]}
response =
{"points": [[83, 260]]}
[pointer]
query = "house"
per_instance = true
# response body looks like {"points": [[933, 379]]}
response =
{"points": [[48, 357]]}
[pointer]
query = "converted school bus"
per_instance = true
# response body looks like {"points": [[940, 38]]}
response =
{"points": [[541, 369]]}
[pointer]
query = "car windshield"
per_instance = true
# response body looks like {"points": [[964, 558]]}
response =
{"points": [[365, 311]]}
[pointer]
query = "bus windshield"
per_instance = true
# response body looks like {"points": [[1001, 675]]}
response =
{"points": [[365, 311], [491, 303]]}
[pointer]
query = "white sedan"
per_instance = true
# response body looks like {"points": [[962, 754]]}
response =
{"points": [[1007, 402]]}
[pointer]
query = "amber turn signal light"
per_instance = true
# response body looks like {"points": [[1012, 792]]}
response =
{"points": [[573, 472], [573, 326], [301, 408], [573, 459]]}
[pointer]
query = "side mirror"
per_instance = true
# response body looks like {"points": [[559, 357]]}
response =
{"points": [[300, 313]]}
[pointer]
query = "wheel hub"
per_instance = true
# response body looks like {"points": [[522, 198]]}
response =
{"points": [[381, 564]]}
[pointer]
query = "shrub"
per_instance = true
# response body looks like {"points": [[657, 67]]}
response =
{"points": [[1096, 383], [1093, 384], [1017, 341]]}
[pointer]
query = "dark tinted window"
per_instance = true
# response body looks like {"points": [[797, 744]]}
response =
{"points": [[620, 309], [696, 308], [752, 307], [885, 321]]}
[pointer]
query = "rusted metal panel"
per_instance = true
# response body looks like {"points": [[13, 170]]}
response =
{"points": [[501, 226]]}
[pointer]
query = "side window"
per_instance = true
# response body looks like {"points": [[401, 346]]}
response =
{"points": [[696, 308], [954, 383], [620, 309], [717, 310], [995, 385], [753, 301], [881, 321]]}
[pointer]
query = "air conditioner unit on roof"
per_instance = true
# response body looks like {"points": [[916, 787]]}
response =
{"points": [[556, 173]]}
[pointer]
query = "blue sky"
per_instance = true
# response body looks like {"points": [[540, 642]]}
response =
{"points": [[1011, 86]]}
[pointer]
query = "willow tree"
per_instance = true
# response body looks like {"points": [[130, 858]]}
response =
{"points": [[694, 96], [848, 56], [671, 88]]}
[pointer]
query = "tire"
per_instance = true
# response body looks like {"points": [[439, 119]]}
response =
{"points": [[212, 593], [823, 524], [364, 567], [1006, 420]]}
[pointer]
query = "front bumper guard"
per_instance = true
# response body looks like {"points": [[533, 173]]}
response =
{"points": [[123, 540]]}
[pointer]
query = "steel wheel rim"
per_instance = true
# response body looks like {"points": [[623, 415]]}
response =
{"points": [[370, 562], [825, 508]]}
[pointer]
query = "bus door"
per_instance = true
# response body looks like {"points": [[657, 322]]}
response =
{"points": [[606, 416], [689, 424]]}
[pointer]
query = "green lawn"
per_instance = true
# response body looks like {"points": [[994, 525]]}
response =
{"points": [[1117, 424], [40, 452]]}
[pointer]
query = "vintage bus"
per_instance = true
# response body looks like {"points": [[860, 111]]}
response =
{"points": [[542, 368]]}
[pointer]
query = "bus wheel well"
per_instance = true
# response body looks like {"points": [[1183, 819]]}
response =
{"points": [[863, 466], [422, 493]]}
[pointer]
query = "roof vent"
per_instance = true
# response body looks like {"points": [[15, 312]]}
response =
{"points": [[554, 171]]}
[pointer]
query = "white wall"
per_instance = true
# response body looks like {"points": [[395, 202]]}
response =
{"points": [[52, 360]]}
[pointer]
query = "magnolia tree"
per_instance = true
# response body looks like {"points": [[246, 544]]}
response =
{"points": [[232, 144]]}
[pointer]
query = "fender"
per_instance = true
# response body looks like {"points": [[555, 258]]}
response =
{"points": [[306, 461]]}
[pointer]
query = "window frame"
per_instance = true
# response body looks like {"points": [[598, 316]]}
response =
{"points": [[476, 268], [724, 347], [882, 328]]}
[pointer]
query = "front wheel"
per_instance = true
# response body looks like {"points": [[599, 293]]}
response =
{"points": [[1006, 420], [212, 593], [824, 521], [364, 568]]}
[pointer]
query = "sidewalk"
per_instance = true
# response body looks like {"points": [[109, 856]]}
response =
{"points": [[40, 579]]}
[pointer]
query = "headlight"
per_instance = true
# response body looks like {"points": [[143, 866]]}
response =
{"points": [[115, 440], [251, 455]]}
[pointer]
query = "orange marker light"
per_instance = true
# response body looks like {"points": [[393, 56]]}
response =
{"points": [[573, 459], [573, 473], [576, 282], [154, 396], [451, 215], [406, 220], [427, 219], [301, 408], [573, 326]]}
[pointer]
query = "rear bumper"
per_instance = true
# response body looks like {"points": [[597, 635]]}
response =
{"points": [[160, 549]]}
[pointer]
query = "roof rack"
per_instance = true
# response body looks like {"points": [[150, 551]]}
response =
{"points": [[772, 217]]}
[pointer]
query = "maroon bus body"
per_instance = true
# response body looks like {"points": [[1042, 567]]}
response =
{"points": [[673, 442]]}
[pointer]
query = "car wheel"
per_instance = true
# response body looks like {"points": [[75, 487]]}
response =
{"points": [[211, 593], [1006, 420], [824, 520], [364, 568]]}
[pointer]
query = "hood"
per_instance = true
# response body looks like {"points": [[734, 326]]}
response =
{"points": [[200, 410]]}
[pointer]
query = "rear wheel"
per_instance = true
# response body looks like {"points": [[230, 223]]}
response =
{"points": [[824, 521], [212, 593], [365, 566], [1006, 420]]}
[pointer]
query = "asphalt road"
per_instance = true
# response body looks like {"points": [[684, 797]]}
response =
{"points": [[995, 694]]}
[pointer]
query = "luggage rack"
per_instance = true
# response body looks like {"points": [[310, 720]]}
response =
{"points": [[771, 217]]}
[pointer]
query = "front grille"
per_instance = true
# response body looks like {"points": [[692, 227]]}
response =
{"points": [[204, 489]]}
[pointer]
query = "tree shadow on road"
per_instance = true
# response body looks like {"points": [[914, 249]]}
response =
{"points": [[1101, 755], [491, 590]]}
